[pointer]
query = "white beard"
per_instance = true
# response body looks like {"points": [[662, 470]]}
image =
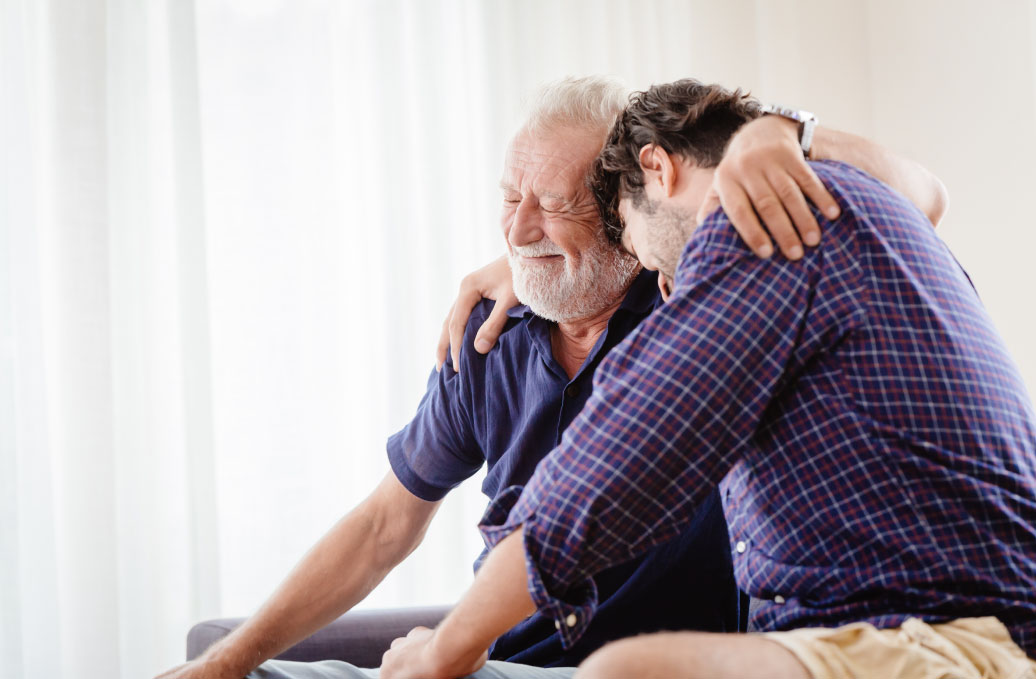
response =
{"points": [[558, 293]]}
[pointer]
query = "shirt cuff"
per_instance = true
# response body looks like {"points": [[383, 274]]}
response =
{"points": [[572, 611], [408, 478]]}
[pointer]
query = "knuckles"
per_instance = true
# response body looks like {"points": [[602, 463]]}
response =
{"points": [[767, 203], [788, 192]]}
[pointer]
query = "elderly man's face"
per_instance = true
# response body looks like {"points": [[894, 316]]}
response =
{"points": [[563, 265]]}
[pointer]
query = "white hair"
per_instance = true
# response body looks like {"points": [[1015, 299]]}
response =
{"points": [[588, 102]]}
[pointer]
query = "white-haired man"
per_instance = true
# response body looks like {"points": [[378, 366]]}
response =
{"points": [[507, 410]]}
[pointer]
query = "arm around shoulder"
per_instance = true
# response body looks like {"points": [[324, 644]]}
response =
{"points": [[917, 183]]}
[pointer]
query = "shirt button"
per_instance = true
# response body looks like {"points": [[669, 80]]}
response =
{"points": [[741, 546], [571, 620], [572, 390], [557, 624], [778, 599]]}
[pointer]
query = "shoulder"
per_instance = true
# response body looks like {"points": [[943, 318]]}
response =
{"points": [[837, 173], [861, 195], [479, 314]]}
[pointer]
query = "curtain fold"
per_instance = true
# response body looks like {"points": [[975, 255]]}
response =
{"points": [[28, 569], [108, 405]]}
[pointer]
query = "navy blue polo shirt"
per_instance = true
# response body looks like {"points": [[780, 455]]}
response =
{"points": [[508, 409]]}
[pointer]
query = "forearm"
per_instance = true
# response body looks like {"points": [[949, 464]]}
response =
{"points": [[920, 186], [336, 574], [497, 601]]}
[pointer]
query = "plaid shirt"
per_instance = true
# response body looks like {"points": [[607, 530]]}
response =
{"points": [[874, 444]]}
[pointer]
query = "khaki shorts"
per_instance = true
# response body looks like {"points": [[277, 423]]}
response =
{"points": [[961, 649]]}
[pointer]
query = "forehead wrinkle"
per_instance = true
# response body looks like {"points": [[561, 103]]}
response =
{"points": [[542, 165], [545, 152]]}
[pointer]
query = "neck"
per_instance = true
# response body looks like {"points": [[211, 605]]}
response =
{"points": [[572, 341]]}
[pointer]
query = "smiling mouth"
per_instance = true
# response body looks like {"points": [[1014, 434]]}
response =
{"points": [[541, 258]]}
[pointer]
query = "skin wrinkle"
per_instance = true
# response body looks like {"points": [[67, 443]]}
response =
{"points": [[548, 209]]}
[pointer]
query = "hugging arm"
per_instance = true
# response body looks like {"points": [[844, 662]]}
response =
{"points": [[763, 184]]}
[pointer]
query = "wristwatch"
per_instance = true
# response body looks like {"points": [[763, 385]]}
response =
{"points": [[806, 120]]}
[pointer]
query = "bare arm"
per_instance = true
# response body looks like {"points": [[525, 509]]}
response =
{"points": [[921, 187], [497, 601], [338, 572]]}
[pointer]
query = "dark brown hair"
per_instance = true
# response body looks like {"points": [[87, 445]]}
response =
{"points": [[685, 118]]}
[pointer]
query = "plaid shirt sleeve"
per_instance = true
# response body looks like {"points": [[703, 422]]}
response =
{"points": [[673, 407]]}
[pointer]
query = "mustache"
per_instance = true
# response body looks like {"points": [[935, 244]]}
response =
{"points": [[540, 248]]}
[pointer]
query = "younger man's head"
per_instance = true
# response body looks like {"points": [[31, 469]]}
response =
{"points": [[656, 167]]}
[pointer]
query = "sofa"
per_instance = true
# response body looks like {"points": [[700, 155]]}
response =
{"points": [[358, 637]]}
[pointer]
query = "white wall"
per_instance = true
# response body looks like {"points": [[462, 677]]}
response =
{"points": [[948, 83]]}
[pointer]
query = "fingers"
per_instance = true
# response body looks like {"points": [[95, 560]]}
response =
{"points": [[741, 214], [763, 177], [793, 203], [444, 339], [770, 208], [778, 199], [415, 633], [492, 281], [815, 190], [466, 301], [490, 331]]}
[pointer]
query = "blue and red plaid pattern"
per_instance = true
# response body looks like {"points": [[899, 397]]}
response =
{"points": [[874, 444]]}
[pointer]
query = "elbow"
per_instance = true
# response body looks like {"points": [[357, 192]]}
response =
{"points": [[394, 534]]}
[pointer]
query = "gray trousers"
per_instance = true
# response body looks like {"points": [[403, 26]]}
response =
{"points": [[336, 669]]}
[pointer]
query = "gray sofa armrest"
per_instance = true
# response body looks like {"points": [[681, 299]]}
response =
{"points": [[358, 637]]}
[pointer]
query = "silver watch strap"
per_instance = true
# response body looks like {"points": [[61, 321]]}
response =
{"points": [[807, 123]]}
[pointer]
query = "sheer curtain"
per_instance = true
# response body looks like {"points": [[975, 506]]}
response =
{"points": [[229, 230], [107, 418]]}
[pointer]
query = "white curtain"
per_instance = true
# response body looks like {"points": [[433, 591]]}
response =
{"points": [[229, 230]]}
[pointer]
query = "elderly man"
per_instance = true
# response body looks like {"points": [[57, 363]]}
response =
{"points": [[873, 442], [507, 410]]}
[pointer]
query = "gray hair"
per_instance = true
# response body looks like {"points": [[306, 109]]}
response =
{"points": [[590, 102]]}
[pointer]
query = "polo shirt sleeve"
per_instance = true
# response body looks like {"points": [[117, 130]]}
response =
{"points": [[674, 406], [438, 449]]}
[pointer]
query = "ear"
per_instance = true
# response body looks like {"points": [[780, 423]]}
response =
{"points": [[659, 169]]}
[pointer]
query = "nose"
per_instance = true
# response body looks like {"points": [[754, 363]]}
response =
{"points": [[527, 225]]}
